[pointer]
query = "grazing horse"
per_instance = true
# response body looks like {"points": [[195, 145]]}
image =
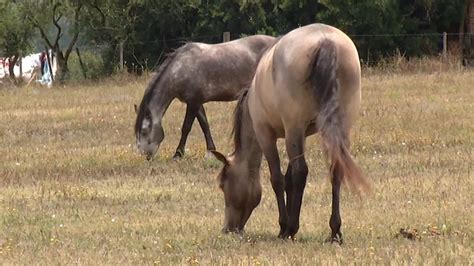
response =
{"points": [[307, 83], [196, 73]]}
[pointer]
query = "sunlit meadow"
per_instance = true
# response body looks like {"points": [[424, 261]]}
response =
{"points": [[74, 190]]}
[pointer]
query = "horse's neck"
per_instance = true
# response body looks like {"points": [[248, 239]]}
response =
{"points": [[161, 99], [249, 149]]}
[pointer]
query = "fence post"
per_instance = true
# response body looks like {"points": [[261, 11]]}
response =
{"points": [[226, 36], [121, 55], [445, 46]]}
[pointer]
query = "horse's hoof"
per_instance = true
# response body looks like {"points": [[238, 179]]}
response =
{"points": [[283, 229], [235, 231], [178, 155], [281, 234], [337, 239], [287, 235]]}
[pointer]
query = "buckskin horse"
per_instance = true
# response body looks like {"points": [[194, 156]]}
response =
{"points": [[196, 73], [308, 82]]}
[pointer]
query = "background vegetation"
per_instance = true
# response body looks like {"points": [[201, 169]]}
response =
{"points": [[148, 28]]}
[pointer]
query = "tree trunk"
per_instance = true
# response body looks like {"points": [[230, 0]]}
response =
{"points": [[462, 22], [62, 70], [83, 68], [11, 66]]}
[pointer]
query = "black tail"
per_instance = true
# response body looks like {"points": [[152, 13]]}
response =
{"points": [[330, 120]]}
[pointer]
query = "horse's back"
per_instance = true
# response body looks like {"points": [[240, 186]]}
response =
{"points": [[295, 52], [217, 72]]}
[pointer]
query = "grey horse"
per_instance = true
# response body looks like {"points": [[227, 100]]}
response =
{"points": [[196, 73]]}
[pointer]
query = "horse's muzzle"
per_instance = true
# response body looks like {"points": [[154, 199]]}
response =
{"points": [[148, 155]]}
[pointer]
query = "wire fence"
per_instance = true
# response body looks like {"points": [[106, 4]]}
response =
{"points": [[219, 38], [374, 49], [392, 52]]}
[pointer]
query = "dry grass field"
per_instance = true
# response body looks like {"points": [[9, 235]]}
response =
{"points": [[74, 190]]}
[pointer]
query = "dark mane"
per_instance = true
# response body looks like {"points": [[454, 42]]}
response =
{"points": [[151, 87], [236, 130], [238, 116]]}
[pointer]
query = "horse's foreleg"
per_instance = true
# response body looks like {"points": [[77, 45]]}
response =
{"points": [[269, 148], [288, 188], [299, 173], [335, 221], [191, 112], [202, 118]]}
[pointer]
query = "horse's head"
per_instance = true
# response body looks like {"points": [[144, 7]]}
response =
{"points": [[242, 192], [148, 132]]}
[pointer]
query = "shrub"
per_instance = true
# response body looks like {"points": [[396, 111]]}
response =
{"points": [[93, 66]]}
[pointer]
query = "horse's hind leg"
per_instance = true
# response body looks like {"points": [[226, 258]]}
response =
{"points": [[191, 112], [299, 172], [202, 118], [335, 221]]}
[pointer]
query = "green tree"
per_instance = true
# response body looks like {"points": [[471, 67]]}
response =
{"points": [[397, 25], [149, 28], [361, 18], [111, 23], [16, 34], [62, 15], [283, 16]]}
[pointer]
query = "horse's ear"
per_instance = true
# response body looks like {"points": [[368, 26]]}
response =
{"points": [[221, 157], [136, 108]]}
